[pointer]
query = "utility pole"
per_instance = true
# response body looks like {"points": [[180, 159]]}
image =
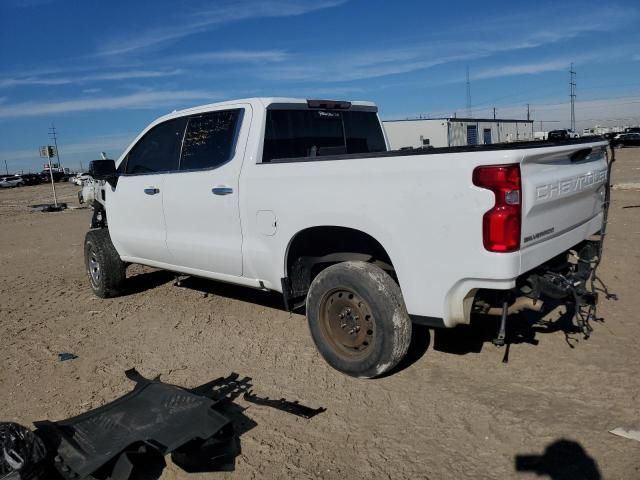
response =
{"points": [[494, 113], [53, 136], [468, 94], [528, 116], [6, 167], [572, 96]]}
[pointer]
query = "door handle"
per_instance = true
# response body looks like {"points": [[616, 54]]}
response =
{"points": [[222, 190], [151, 190]]}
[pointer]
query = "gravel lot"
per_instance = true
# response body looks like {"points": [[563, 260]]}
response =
{"points": [[454, 411]]}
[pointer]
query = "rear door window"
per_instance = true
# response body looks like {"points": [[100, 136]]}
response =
{"points": [[311, 133], [158, 150], [210, 139]]}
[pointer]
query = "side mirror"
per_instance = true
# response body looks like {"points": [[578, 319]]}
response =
{"points": [[104, 170]]}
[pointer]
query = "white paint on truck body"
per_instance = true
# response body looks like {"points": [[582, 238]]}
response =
{"points": [[423, 209]]}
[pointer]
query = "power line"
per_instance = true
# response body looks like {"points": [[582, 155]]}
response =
{"points": [[53, 136], [572, 95], [468, 94]]}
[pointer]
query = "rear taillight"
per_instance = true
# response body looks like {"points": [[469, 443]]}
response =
{"points": [[501, 224]]}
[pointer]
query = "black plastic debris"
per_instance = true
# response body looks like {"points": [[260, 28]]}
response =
{"points": [[131, 435], [129, 438], [22, 453], [64, 356], [49, 207], [292, 407]]}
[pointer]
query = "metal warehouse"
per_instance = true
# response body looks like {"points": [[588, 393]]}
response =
{"points": [[455, 132]]}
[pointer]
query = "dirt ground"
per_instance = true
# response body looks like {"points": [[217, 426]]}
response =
{"points": [[453, 411]]}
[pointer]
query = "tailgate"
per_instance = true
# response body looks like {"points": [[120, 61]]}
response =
{"points": [[562, 188]]}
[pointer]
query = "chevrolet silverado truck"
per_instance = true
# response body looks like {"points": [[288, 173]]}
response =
{"points": [[304, 197]]}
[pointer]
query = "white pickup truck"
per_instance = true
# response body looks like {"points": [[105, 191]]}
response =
{"points": [[303, 197]]}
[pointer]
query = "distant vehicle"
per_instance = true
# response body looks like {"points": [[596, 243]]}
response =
{"points": [[632, 130], [563, 134], [626, 140], [11, 181], [57, 176], [79, 178], [31, 178]]}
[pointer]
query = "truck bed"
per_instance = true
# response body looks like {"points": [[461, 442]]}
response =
{"points": [[441, 150]]}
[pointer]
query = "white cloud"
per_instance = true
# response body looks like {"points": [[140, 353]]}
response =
{"points": [[221, 13], [91, 90], [94, 77], [522, 69], [506, 34], [140, 100], [236, 56]]}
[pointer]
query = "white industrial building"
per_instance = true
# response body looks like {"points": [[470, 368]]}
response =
{"points": [[455, 132]]}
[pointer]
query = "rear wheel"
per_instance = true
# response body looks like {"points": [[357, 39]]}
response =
{"points": [[106, 272], [358, 319]]}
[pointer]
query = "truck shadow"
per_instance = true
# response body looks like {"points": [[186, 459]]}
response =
{"points": [[420, 342], [141, 282], [236, 292], [461, 340], [144, 281], [420, 338], [521, 328]]}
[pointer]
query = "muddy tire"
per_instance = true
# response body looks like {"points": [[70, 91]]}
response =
{"points": [[358, 319], [104, 268]]}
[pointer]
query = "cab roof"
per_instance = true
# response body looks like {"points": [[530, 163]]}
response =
{"points": [[265, 102]]}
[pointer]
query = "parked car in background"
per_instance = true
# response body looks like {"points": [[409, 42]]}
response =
{"points": [[626, 140], [632, 130], [57, 176], [79, 178], [31, 178], [563, 134], [11, 181]]}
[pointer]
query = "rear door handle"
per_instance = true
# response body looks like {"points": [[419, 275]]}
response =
{"points": [[151, 190], [222, 190]]}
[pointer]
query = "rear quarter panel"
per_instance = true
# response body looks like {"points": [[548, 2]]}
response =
{"points": [[423, 209]]}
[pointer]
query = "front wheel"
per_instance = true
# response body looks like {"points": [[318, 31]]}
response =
{"points": [[106, 272], [358, 319]]}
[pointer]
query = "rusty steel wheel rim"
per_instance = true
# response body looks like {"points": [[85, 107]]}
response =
{"points": [[346, 323]]}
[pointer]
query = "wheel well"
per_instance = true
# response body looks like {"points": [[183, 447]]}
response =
{"points": [[316, 248]]}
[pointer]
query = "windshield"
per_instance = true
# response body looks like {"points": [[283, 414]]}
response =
{"points": [[311, 133]]}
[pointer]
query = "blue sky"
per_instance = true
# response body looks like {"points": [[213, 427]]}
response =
{"points": [[101, 71]]}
